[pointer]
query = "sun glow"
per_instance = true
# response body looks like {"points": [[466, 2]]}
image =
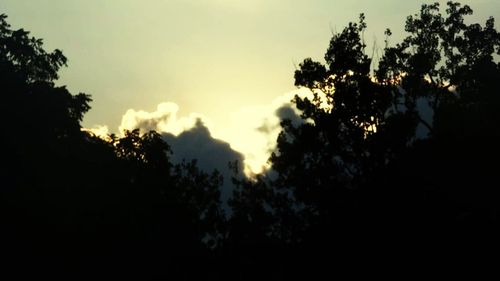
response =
{"points": [[251, 130]]}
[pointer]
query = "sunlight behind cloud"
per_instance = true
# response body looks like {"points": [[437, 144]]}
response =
{"points": [[251, 130]]}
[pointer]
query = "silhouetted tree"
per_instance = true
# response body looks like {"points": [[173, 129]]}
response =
{"points": [[386, 157], [450, 68], [73, 204]]}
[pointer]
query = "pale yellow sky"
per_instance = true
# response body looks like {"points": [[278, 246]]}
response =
{"points": [[217, 58]]}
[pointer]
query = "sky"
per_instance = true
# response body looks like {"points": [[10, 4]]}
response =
{"points": [[228, 63]]}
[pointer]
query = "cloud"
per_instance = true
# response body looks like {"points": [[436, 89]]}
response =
{"points": [[248, 135], [210, 153], [250, 132], [253, 130], [189, 137], [290, 112], [164, 119], [101, 131]]}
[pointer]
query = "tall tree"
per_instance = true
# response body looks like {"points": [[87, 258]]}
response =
{"points": [[72, 204], [406, 148]]}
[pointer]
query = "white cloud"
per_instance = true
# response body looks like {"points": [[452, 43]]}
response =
{"points": [[251, 130], [164, 119], [101, 131]]}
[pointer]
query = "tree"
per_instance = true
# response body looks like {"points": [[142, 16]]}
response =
{"points": [[73, 204], [406, 148], [451, 66]]}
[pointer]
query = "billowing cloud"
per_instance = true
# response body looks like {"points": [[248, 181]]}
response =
{"points": [[210, 153], [164, 119], [189, 137], [247, 137], [249, 133]]}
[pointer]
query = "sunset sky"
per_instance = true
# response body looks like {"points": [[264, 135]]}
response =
{"points": [[229, 63]]}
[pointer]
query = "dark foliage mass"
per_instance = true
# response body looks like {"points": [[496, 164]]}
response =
{"points": [[75, 205], [392, 168]]}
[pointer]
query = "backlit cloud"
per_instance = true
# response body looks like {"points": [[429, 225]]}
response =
{"points": [[164, 119], [190, 138], [253, 130], [250, 132], [210, 153], [101, 131]]}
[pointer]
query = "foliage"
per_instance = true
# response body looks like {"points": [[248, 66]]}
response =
{"points": [[72, 203], [406, 147], [383, 158]]}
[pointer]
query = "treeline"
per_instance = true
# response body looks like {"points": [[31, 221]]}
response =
{"points": [[402, 159]]}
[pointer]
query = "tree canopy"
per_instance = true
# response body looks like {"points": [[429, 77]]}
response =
{"points": [[388, 155], [73, 204], [435, 93]]}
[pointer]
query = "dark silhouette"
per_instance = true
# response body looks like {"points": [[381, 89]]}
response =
{"points": [[78, 207], [400, 161]]}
